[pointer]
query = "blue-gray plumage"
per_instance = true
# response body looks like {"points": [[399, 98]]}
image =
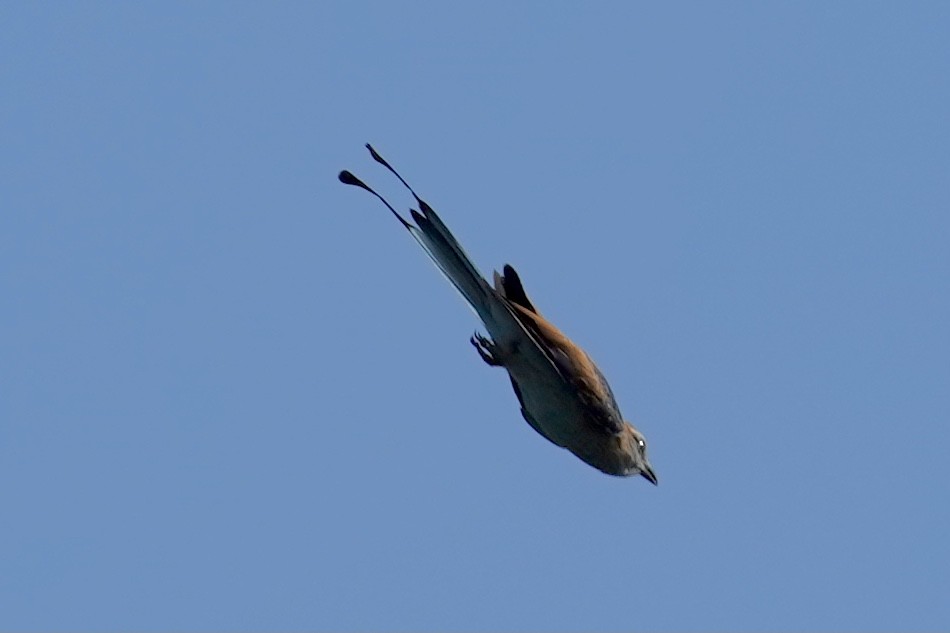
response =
{"points": [[563, 395]]}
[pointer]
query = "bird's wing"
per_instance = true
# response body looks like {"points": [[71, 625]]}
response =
{"points": [[509, 286], [577, 368]]}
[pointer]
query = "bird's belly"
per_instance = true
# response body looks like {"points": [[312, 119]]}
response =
{"points": [[557, 410], [554, 408]]}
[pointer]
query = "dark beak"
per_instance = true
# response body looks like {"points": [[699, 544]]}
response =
{"points": [[648, 474]]}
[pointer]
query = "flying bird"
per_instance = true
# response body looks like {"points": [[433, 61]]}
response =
{"points": [[563, 395]]}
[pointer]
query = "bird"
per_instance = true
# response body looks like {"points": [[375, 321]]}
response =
{"points": [[564, 397]]}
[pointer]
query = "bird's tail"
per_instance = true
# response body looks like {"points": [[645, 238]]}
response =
{"points": [[442, 247]]}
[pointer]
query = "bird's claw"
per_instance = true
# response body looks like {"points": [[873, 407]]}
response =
{"points": [[485, 348]]}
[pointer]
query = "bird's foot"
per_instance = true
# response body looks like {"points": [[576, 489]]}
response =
{"points": [[486, 349]]}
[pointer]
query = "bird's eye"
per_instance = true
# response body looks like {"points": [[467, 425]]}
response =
{"points": [[642, 443]]}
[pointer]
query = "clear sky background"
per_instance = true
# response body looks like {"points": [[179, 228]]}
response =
{"points": [[236, 395]]}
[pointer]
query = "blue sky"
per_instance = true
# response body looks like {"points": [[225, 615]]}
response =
{"points": [[237, 396]]}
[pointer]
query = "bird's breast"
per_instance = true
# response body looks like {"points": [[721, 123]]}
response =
{"points": [[556, 407]]}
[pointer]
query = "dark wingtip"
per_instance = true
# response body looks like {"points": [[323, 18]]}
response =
{"points": [[514, 290]]}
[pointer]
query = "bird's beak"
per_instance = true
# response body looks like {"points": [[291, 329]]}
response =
{"points": [[648, 474]]}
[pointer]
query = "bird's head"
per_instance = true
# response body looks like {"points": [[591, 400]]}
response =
{"points": [[638, 463]]}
